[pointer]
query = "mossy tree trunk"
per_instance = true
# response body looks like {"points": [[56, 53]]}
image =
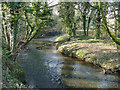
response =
{"points": [[84, 21], [115, 39], [106, 26], [118, 47], [5, 32], [115, 22], [98, 21], [88, 25], [74, 29]]}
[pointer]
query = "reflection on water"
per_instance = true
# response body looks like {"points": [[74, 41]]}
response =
{"points": [[46, 68]]}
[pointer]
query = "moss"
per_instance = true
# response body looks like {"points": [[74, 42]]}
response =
{"points": [[12, 74], [10, 81], [18, 72], [13, 78]]}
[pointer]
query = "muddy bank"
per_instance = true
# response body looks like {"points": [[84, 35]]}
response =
{"points": [[94, 51]]}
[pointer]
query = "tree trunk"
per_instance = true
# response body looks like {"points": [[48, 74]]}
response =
{"points": [[15, 34], [4, 27], [89, 19], [118, 47], [84, 23], [106, 26], [28, 23], [74, 29], [115, 22], [28, 40], [98, 26]]}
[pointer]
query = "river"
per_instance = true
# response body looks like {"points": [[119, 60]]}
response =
{"points": [[46, 68]]}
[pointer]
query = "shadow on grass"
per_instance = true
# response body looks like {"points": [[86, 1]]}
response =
{"points": [[93, 41], [106, 54], [82, 37]]}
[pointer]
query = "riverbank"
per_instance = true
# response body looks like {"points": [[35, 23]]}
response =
{"points": [[13, 76], [95, 51], [46, 68], [10, 80]]}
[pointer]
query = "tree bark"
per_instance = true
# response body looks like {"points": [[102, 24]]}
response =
{"points": [[89, 19], [84, 23], [98, 26], [119, 30], [106, 26]]}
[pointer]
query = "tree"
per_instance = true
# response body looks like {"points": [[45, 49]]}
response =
{"points": [[106, 25], [41, 19], [67, 14], [89, 19], [86, 13], [17, 22], [98, 21], [11, 15]]}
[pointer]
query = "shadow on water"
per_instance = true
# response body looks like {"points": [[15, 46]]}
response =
{"points": [[46, 68]]}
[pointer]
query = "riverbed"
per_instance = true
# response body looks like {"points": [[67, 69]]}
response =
{"points": [[46, 68]]}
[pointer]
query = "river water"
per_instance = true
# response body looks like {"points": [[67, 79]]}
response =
{"points": [[46, 68]]}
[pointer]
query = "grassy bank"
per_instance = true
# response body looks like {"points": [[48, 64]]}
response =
{"points": [[13, 75], [95, 51], [9, 80]]}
